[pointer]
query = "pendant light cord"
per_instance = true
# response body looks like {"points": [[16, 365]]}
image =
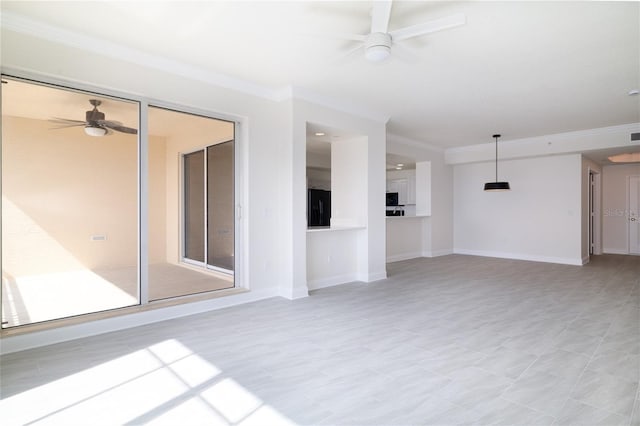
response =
{"points": [[496, 158], [496, 136]]}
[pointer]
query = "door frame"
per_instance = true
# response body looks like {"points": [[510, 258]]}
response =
{"points": [[594, 212], [628, 214]]}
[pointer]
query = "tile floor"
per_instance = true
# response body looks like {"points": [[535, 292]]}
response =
{"points": [[444, 341]]}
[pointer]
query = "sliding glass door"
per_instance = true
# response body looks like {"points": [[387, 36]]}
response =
{"points": [[209, 207], [74, 171]]}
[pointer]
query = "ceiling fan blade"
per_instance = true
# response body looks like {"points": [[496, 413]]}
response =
{"points": [[380, 15], [349, 53], [337, 36], [428, 27], [404, 54], [65, 126], [66, 121], [119, 128]]}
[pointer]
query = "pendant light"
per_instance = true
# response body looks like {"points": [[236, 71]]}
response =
{"points": [[497, 186]]}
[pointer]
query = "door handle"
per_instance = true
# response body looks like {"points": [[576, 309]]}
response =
{"points": [[633, 219]]}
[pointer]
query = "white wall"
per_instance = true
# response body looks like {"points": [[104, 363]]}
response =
{"points": [[615, 193], [405, 237], [349, 167], [332, 257], [539, 219], [423, 188]]}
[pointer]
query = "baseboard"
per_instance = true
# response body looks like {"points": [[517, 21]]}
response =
{"points": [[437, 253], [586, 260], [403, 256], [376, 276], [296, 293], [331, 281], [614, 251], [36, 339], [519, 256]]}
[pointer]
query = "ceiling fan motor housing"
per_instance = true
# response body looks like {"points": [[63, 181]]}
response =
{"points": [[377, 46], [94, 115]]}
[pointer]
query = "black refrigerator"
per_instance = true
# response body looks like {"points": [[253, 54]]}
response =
{"points": [[318, 207]]}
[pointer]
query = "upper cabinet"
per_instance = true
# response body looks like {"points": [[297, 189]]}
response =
{"points": [[404, 183], [413, 187]]}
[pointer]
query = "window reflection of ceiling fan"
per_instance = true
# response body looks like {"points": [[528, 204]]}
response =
{"points": [[377, 44], [95, 123]]}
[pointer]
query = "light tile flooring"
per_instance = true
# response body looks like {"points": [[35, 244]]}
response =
{"points": [[38, 298], [451, 340]]}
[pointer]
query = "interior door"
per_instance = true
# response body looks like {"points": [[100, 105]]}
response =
{"points": [[634, 214]]}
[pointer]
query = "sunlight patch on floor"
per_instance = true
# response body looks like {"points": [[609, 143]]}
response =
{"points": [[163, 384], [63, 294]]}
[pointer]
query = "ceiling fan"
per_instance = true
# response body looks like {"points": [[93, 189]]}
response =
{"points": [[377, 44], [95, 123]]}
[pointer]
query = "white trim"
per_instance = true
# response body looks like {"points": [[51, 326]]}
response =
{"points": [[552, 144], [437, 253], [331, 281], [374, 276], [294, 92], [393, 138], [35, 339], [404, 256], [143, 202], [296, 293], [585, 260], [520, 256], [614, 251], [17, 23]]}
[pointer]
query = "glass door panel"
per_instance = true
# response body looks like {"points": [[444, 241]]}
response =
{"points": [[184, 149], [69, 203], [220, 206], [194, 196]]}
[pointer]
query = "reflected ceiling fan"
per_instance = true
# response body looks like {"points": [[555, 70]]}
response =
{"points": [[377, 44], [95, 123]]}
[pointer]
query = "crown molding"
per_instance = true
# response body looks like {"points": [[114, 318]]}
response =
{"points": [[295, 92], [17, 23], [394, 138], [20, 24]]}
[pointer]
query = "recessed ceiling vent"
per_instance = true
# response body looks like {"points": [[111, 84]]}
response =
{"points": [[635, 137]]}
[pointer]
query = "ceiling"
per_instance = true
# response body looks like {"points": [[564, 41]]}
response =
{"points": [[41, 102], [522, 69]]}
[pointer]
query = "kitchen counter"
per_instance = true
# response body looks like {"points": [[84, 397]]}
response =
{"points": [[333, 228], [405, 217]]}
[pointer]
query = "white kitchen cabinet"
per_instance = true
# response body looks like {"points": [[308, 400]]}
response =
{"points": [[401, 187], [411, 187]]}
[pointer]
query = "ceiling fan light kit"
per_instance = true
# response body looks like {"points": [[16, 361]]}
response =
{"points": [[497, 186], [95, 131], [377, 47]]}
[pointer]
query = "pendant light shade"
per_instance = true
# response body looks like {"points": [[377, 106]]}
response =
{"points": [[497, 186]]}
